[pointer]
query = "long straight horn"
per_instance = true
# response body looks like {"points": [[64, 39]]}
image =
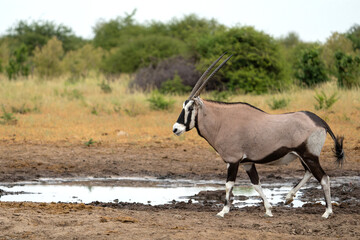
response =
{"points": [[198, 91], [199, 82]]}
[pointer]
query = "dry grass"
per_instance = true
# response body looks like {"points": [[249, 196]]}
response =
{"points": [[68, 114]]}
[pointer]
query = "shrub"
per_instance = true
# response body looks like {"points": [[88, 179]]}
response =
{"points": [[158, 101], [153, 76], [336, 42], [220, 96], [142, 52], [47, 59], [348, 70], [310, 69], [323, 101], [80, 62], [7, 117], [105, 87], [174, 86], [18, 63], [278, 103], [257, 65]]}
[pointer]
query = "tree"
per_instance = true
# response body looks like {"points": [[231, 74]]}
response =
{"points": [[348, 70], [142, 52], [80, 62], [256, 66], [18, 63], [310, 69], [336, 42], [117, 32], [48, 58], [354, 35], [38, 33]]}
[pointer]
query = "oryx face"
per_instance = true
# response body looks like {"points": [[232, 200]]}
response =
{"points": [[186, 120]]}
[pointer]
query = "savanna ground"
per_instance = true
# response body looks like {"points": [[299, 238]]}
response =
{"points": [[50, 137]]}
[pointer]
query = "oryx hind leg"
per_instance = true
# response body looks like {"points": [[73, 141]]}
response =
{"points": [[254, 178], [230, 182], [310, 158], [290, 196]]}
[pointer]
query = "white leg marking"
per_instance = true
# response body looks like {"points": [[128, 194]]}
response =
{"points": [[290, 196], [325, 183], [267, 205], [229, 186]]}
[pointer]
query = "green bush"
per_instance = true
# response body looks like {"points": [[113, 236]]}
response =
{"points": [[47, 59], [142, 52], [174, 86], [105, 87], [310, 69], [220, 96], [7, 117], [278, 103], [257, 65], [158, 101], [348, 70], [323, 101], [18, 63]]}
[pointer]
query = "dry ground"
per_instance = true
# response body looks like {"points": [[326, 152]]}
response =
{"points": [[175, 221]]}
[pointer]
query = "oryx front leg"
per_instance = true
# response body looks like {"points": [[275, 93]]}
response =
{"points": [[230, 182], [254, 178]]}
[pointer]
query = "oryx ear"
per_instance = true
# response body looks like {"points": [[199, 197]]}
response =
{"points": [[198, 102]]}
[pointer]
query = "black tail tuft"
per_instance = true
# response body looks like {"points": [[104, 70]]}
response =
{"points": [[339, 151]]}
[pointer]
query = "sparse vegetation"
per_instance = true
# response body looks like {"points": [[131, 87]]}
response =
{"points": [[158, 101], [278, 103], [323, 101], [7, 117]]}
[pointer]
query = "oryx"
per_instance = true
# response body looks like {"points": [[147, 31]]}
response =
{"points": [[245, 135]]}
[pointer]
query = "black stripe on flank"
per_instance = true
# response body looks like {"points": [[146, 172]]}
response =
{"points": [[277, 154]]}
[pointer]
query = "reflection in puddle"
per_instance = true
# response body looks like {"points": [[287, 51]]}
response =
{"points": [[140, 190]]}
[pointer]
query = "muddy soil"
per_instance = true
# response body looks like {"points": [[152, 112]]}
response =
{"points": [[178, 220]]}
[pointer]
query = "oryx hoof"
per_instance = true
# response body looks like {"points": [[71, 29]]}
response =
{"points": [[220, 215], [327, 214], [268, 214], [288, 201]]}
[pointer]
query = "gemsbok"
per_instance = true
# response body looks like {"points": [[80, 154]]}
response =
{"points": [[245, 135]]}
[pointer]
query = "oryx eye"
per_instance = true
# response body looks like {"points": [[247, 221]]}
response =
{"points": [[191, 108]]}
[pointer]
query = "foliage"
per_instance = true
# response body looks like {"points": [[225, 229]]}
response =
{"points": [[142, 52], [310, 69], [18, 63], [73, 94], [158, 101], [105, 87], [323, 101], [38, 33], [336, 42], [23, 109], [354, 35], [90, 142], [174, 86], [220, 96], [348, 70], [81, 61], [7, 117], [153, 76], [117, 32], [290, 40], [47, 59], [257, 65], [278, 103]]}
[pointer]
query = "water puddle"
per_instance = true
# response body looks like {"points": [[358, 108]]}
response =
{"points": [[151, 191]]}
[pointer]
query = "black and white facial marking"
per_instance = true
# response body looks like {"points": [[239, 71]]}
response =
{"points": [[186, 120]]}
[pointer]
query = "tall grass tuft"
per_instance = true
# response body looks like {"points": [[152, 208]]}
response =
{"points": [[323, 101]]}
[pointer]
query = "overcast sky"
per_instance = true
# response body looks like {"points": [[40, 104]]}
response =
{"points": [[313, 20]]}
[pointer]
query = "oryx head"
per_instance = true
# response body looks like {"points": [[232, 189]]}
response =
{"points": [[187, 117]]}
